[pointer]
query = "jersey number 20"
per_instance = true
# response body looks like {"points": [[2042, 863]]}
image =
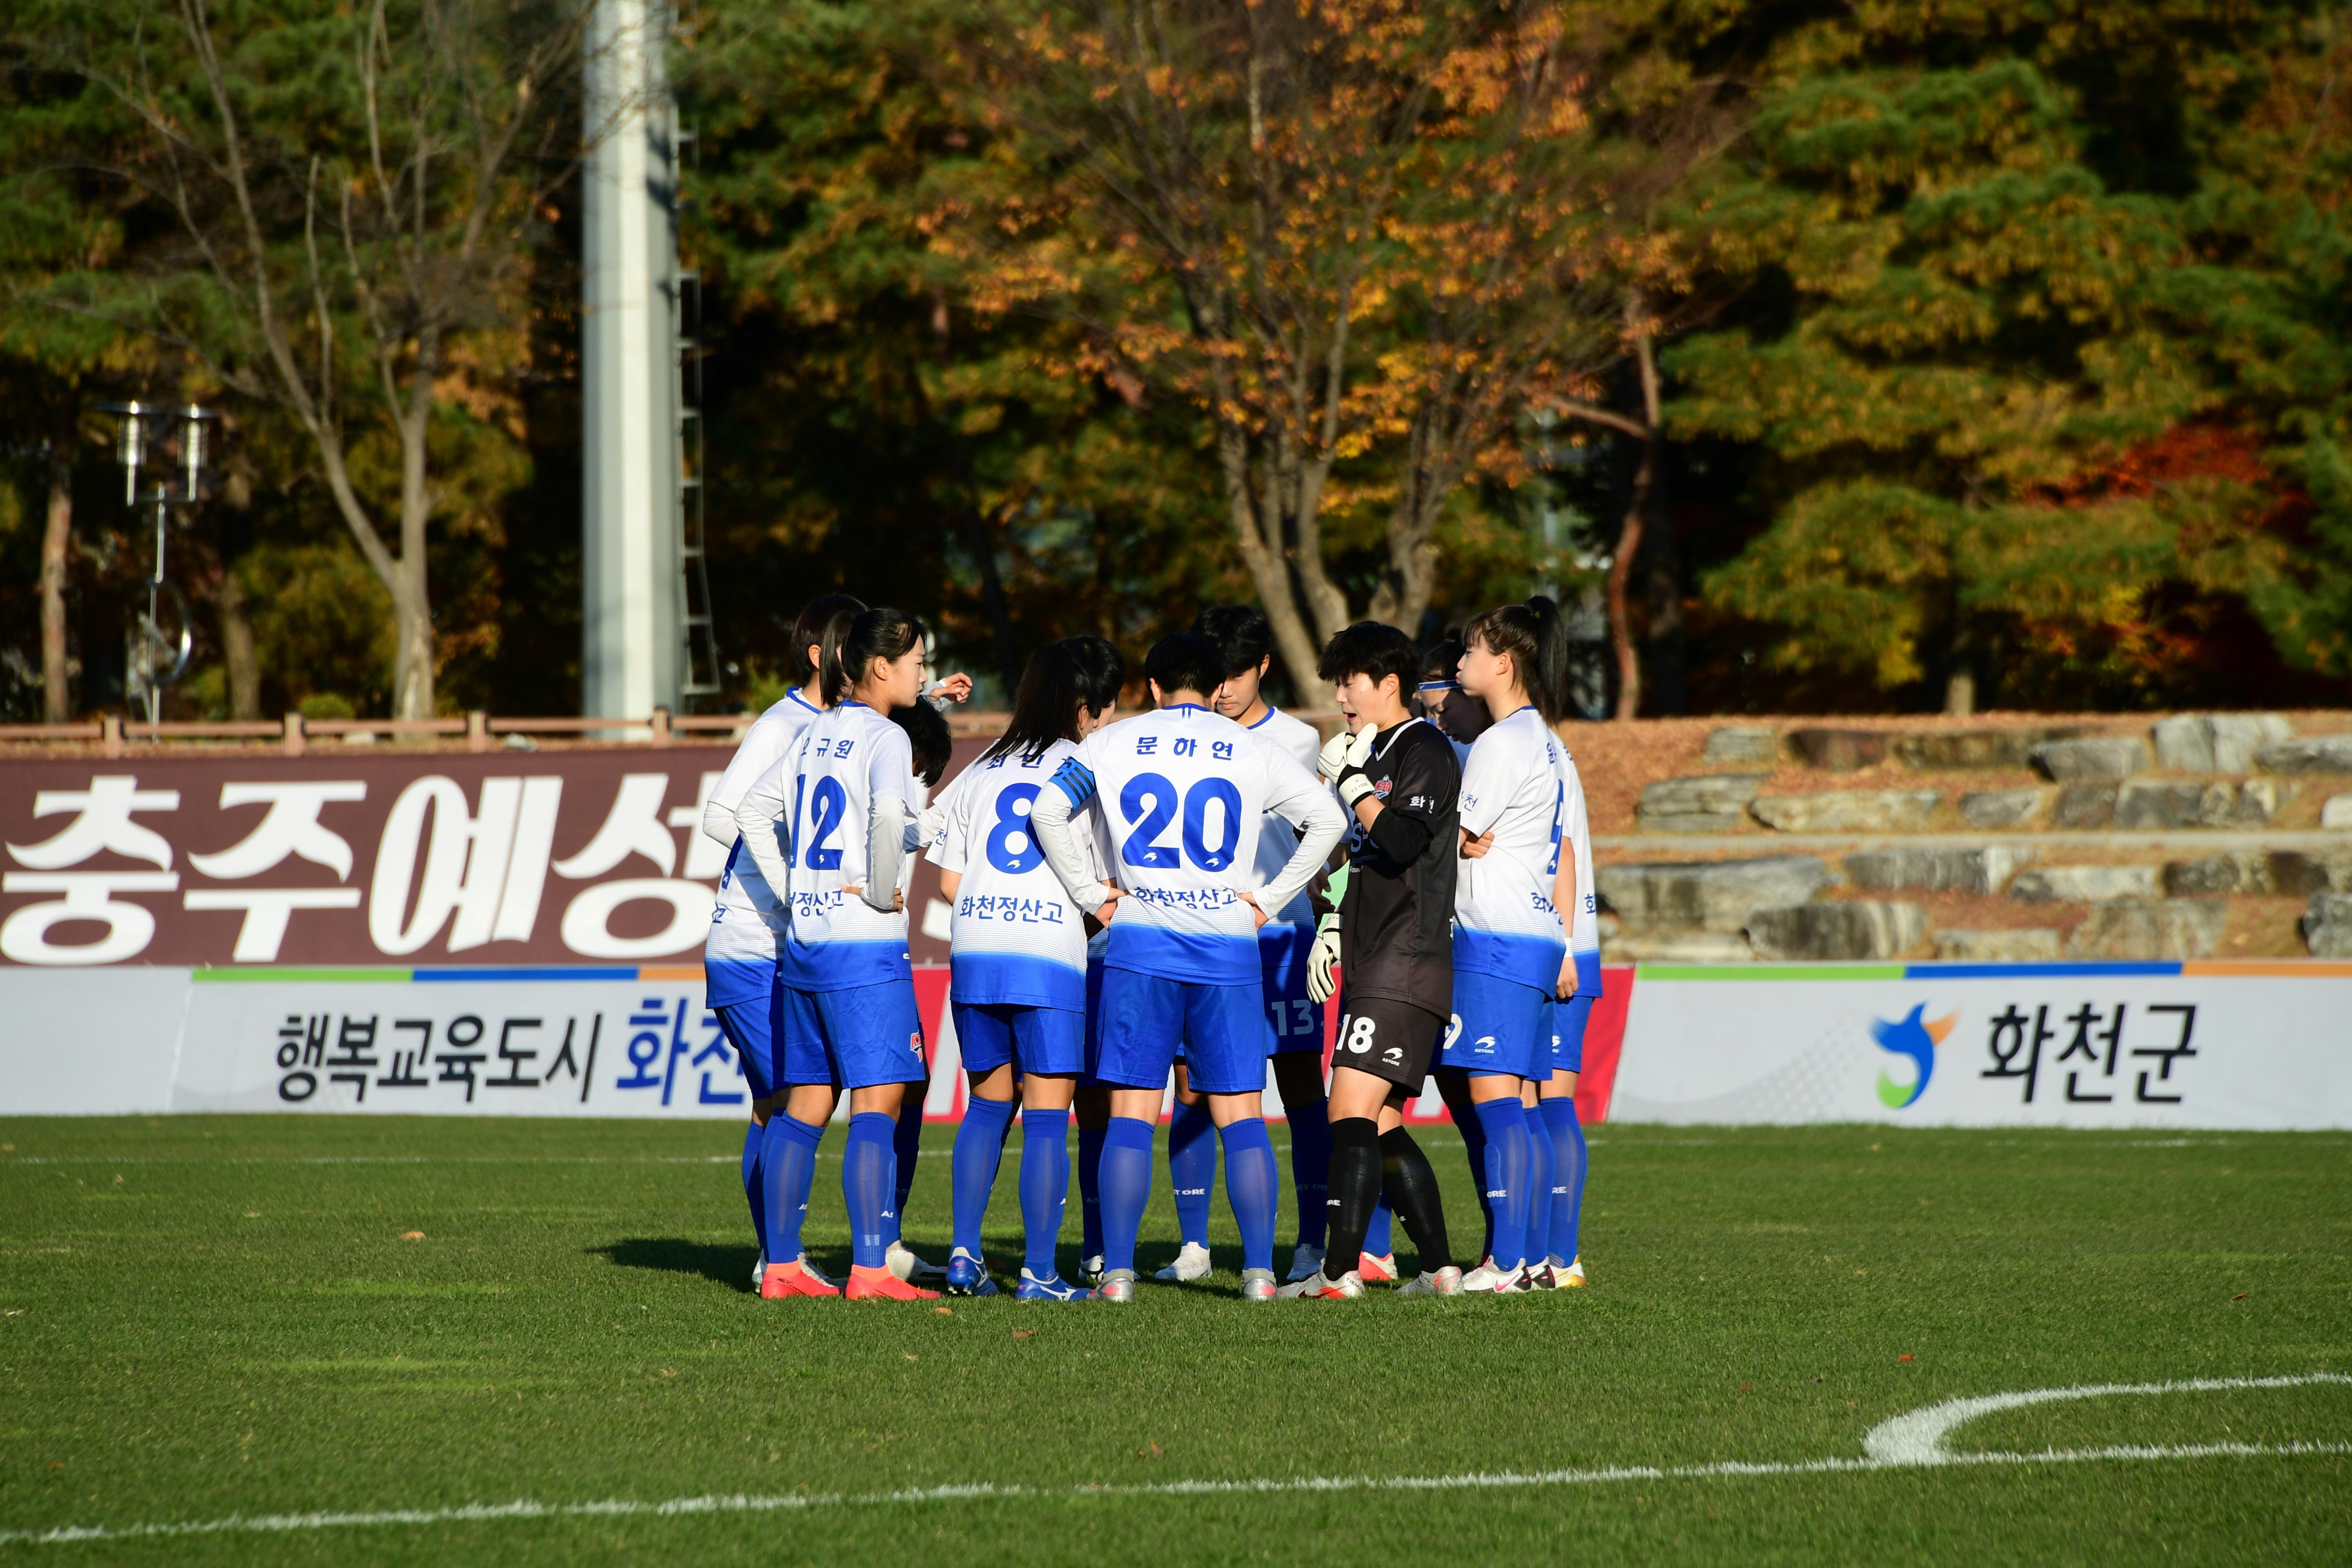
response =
{"points": [[1150, 802]]}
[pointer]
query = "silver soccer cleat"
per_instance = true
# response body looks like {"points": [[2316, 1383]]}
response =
{"points": [[1257, 1285], [1119, 1285], [1192, 1263], [1445, 1281]]}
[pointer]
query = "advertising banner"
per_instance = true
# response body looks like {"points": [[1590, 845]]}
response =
{"points": [[369, 855], [2069, 1045]]}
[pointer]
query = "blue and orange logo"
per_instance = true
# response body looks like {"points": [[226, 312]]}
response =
{"points": [[1910, 1037]]}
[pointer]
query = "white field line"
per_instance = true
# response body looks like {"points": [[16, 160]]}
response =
{"points": [[1481, 1480], [1916, 1437]]}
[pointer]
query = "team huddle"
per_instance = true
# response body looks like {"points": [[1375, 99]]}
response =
{"points": [[1180, 892]]}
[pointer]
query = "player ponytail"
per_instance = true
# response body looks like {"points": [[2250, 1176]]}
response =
{"points": [[1061, 678], [882, 634], [821, 623], [1535, 639], [928, 739]]}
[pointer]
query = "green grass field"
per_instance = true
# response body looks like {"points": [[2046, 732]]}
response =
{"points": [[217, 1317]]}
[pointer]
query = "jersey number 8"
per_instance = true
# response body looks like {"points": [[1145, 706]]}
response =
{"points": [[1150, 802], [1013, 807]]}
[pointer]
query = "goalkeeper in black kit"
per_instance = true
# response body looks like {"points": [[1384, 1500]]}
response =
{"points": [[1392, 940]]}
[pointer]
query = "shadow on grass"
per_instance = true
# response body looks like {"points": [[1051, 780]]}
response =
{"points": [[722, 1265]]}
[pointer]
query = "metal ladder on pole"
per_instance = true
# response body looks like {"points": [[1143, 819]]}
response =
{"points": [[700, 674]]}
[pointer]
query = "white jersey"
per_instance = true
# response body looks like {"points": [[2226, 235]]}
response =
{"points": [[849, 761], [1276, 840], [1185, 792], [738, 958], [1016, 939], [1576, 832], [1504, 922]]}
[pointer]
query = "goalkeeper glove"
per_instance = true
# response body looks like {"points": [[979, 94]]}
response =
{"points": [[1323, 960]]}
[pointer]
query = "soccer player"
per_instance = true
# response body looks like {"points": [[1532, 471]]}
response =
{"points": [[1246, 640], [738, 958], [1439, 698], [849, 991], [1509, 940], [1184, 792], [1554, 1244], [1393, 942], [1018, 950], [931, 748]]}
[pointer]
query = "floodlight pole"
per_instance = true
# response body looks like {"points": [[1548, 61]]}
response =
{"points": [[632, 634]]}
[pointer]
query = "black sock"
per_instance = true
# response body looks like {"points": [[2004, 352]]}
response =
{"points": [[1355, 1191], [1411, 1187]]}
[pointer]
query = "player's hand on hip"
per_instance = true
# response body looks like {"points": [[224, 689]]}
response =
{"points": [[1476, 848], [1256, 907], [956, 688]]}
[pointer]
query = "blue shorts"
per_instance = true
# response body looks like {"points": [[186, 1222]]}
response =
{"points": [[749, 1027], [1039, 1039], [1282, 980], [1498, 1027], [1569, 1019], [1145, 1017], [853, 1038]]}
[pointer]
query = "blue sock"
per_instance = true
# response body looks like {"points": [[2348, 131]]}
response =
{"points": [[1473, 1149], [868, 1182], [755, 1187], [1378, 1240], [1568, 1184], [1044, 1186], [1253, 1188], [1126, 1183], [788, 1169], [979, 1149], [1090, 1147], [1192, 1168], [1310, 1168], [1540, 1181], [1507, 1157], [906, 1147]]}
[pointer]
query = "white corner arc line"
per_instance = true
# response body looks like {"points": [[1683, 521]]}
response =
{"points": [[1918, 1436], [1899, 1453]]}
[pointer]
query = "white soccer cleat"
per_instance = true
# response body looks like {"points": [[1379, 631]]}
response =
{"points": [[1488, 1280], [1574, 1277], [1192, 1263], [760, 1270], [1305, 1261], [1119, 1285], [1380, 1271], [1257, 1285], [1091, 1267], [1445, 1281], [901, 1261], [1316, 1287]]}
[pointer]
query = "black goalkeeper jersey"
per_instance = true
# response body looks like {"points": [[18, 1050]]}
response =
{"points": [[1396, 930]]}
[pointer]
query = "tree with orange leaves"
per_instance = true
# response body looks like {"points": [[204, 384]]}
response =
{"points": [[1365, 237]]}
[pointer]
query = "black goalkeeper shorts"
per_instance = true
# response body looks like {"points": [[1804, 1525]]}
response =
{"points": [[1388, 1040]]}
